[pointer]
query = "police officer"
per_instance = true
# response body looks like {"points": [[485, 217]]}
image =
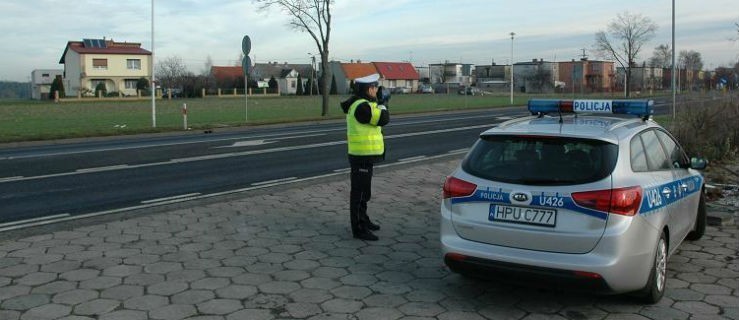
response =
{"points": [[365, 115]]}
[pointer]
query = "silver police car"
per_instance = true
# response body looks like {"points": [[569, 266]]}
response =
{"points": [[575, 195]]}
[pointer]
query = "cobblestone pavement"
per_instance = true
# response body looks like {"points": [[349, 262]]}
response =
{"points": [[289, 255]]}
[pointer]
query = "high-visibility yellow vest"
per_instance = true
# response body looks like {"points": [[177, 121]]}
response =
{"points": [[364, 139]]}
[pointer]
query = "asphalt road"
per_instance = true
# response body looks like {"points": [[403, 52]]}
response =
{"points": [[66, 179], [47, 182]]}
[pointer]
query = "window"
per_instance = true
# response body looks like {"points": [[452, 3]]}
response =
{"points": [[674, 152], [638, 158], [293, 84], [45, 75], [100, 64], [656, 158], [541, 160], [133, 64], [131, 83]]}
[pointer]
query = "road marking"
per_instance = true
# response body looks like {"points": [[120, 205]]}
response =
{"points": [[6, 179], [237, 154], [343, 170], [249, 143], [67, 217], [99, 169], [171, 198], [276, 181], [463, 150], [13, 223], [412, 159]]}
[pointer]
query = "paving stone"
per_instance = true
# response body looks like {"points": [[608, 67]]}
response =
{"points": [[219, 306], [143, 279], [121, 270], [125, 315], [61, 266], [24, 302], [163, 267], [278, 287], [80, 274], [378, 314], [103, 282], [9, 314], [251, 314], [37, 278], [96, 307], [185, 275], [47, 311], [173, 311], [342, 306], [18, 270], [251, 279], [146, 302], [122, 292], [320, 283], [210, 283], [351, 292], [238, 292], [167, 288], [73, 297], [696, 307], [192, 297]]}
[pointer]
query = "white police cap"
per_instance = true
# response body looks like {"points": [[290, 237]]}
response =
{"points": [[370, 79]]}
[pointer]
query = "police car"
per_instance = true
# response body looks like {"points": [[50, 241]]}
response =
{"points": [[575, 195]]}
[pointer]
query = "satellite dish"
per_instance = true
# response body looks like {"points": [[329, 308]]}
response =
{"points": [[246, 45]]}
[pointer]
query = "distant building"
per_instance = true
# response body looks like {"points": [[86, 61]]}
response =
{"points": [[535, 76], [459, 74], [586, 76], [493, 77], [398, 75], [286, 74], [41, 80], [117, 65]]}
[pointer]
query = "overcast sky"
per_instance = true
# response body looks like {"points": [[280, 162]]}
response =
{"points": [[34, 33]]}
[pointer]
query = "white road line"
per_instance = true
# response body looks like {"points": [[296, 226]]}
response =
{"points": [[178, 197], [66, 217], [276, 181], [99, 169], [343, 170], [13, 223], [238, 154], [6, 179], [463, 150], [412, 159]]}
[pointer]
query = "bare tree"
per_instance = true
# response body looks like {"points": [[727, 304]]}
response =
{"points": [[171, 72], [313, 17], [628, 33], [690, 60], [662, 56]]}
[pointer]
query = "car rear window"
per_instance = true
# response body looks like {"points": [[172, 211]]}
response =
{"points": [[540, 160]]}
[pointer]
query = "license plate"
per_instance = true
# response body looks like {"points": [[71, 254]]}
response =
{"points": [[524, 215]]}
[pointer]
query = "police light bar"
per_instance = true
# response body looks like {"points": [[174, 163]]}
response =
{"points": [[641, 108]]}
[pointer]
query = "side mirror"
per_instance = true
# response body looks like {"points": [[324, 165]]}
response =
{"points": [[698, 163]]}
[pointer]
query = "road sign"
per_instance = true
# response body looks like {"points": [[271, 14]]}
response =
{"points": [[246, 45]]}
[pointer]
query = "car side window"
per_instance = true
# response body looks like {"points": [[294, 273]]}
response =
{"points": [[638, 157], [677, 157], [656, 158]]}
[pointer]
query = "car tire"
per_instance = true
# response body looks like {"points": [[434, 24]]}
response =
{"points": [[655, 288], [700, 220]]}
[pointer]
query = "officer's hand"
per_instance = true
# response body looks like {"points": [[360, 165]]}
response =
{"points": [[382, 107]]}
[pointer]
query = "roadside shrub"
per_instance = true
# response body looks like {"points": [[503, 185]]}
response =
{"points": [[709, 128]]}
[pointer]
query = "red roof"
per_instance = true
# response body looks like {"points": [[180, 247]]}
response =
{"points": [[396, 70], [358, 70], [111, 47], [228, 72]]}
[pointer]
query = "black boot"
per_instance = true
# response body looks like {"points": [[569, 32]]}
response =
{"points": [[365, 234], [371, 226]]}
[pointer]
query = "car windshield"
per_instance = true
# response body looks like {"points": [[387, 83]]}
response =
{"points": [[540, 160]]}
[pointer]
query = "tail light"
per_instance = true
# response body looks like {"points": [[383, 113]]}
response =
{"points": [[454, 187], [623, 201]]}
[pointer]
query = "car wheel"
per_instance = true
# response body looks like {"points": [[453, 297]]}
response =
{"points": [[700, 220], [655, 287]]}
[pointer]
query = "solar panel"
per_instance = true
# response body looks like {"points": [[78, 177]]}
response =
{"points": [[94, 43]]}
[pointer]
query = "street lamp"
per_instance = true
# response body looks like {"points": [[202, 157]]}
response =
{"points": [[153, 81], [512, 34]]}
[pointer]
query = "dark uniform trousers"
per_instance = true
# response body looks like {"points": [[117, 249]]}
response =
{"points": [[361, 191]]}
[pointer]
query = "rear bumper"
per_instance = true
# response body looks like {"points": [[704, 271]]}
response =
{"points": [[526, 274]]}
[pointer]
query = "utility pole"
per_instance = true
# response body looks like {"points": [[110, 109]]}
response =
{"points": [[512, 34]]}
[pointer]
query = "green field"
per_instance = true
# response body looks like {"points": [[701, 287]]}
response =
{"points": [[44, 120]]}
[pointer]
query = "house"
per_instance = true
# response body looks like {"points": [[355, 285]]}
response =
{"points": [[493, 77], [41, 80], [535, 76], [586, 76], [117, 65], [457, 74], [285, 74], [227, 77], [401, 76], [347, 72]]}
